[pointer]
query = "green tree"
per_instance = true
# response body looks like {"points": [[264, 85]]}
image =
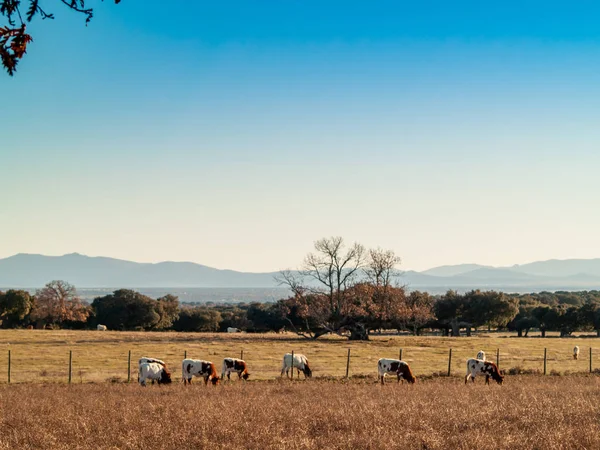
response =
{"points": [[125, 309], [167, 308], [198, 319], [15, 306]]}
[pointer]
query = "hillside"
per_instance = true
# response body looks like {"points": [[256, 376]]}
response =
{"points": [[28, 270]]}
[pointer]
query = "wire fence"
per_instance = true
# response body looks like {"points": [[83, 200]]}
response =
{"points": [[81, 366]]}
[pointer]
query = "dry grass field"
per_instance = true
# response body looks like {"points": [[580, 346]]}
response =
{"points": [[442, 413], [102, 356]]}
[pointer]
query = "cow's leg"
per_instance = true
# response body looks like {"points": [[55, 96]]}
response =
{"points": [[467, 376], [382, 379], [487, 379], [229, 376], [205, 380]]}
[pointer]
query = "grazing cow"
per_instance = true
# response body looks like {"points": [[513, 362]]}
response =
{"points": [[233, 330], [300, 364], [487, 368], [145, 360], [101, 328], [197, 368], [481, 355], [234, 365], [154, 372], [576, 352], [394, 367]]}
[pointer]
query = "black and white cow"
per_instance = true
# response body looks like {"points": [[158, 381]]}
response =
{"points": [[154, 372], [396, 367], [478, 367]]}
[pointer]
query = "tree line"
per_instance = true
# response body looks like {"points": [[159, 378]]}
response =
{"points": [[369, 309], [347, 290]]}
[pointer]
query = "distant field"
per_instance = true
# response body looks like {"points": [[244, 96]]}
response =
{"points": [[528, 412], [42, 356]]}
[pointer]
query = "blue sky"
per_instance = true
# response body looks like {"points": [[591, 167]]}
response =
{"points": [[235, 134]]}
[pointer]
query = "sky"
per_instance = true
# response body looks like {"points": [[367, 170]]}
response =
{"points": [[235, 134]]}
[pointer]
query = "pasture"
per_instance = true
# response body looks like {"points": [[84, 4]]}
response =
{"points": [[441, 413], [102, 356]]}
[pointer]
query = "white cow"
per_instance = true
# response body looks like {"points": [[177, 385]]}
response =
{"points": [[153, 372], [481, 355], [576, 352], [101, 328], [300, 364], [145, 359], [394, 367], [197, 368], [233, 330]]}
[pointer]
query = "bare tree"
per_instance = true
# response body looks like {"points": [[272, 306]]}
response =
{"points": [[381, 267], [330, 292], [58, 302]]}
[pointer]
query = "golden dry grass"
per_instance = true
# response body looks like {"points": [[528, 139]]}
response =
{"points": [[102, 356], [442, 413]]}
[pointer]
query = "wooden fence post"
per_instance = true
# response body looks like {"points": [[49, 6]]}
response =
{"points": [[292, 365], [70, 365], [9, 367], [401, 353], [242, 354], [449, 361], [185, 354], [498, 358], [545, 352], [348, 364], [590, 359], [129, 367]]}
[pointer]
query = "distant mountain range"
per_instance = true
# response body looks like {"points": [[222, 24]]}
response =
{"points": [[30, 271]]}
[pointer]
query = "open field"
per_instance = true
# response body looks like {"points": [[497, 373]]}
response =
{"points": [[102, 356], [526, 412]]}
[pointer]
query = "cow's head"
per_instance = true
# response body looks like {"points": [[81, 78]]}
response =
{"points": [[214, 380], [245, 375], [493, 371], [165, 377], [405, 372], [307, 371]]}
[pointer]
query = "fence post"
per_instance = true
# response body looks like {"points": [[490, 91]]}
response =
{"points": [[292, 365], [498, 358], [449, 361], [70, 365], [185, 354], [545, 361], [590, 359], [129, 367], [242, 354], [348, 364], [9, 367], [401, 353]]}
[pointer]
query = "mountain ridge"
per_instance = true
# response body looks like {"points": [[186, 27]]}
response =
{"points": [[34, 270]]}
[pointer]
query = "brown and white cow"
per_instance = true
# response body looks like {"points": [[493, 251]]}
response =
{"points": [[487, 368], [234, 365], [198, 368], [396, 367]]}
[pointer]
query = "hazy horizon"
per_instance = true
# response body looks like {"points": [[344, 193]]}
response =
{"points": [[449, 133]]}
